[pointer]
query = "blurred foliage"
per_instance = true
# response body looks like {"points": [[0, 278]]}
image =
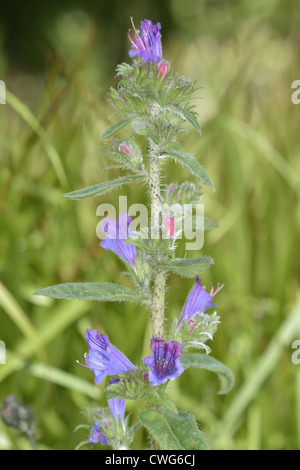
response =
{"points": [[58, 61]]}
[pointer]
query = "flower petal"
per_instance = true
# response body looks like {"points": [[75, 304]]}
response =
{"points": [[198, 301], [164, 363], [103, 358]]}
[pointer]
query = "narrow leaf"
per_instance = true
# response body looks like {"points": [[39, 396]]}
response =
{"points": [[192, 165], [111, 130], [173, 431], [159, 398], [210, 224], [141, 243], [186, 267], [104, 291], [203, 361], [102, 188], [187, 116], [191, 119]]}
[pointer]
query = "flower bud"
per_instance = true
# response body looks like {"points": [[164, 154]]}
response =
{"points": [[163, 69]]}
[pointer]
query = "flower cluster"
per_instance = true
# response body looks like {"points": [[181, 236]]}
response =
{"points": [[148, 46], [156, 107], [104, 359], [20, 417], [100, 432], [164, 363]]}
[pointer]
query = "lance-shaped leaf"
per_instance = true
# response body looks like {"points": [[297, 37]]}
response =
{"points": [[186, 267], [105, 291], [186, 115], [143, 244], [102, 188], [189, 162], [173, 431], [159, 398], [203, 361], [117, 126], [210, 224]]}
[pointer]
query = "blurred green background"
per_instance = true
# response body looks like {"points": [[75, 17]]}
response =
{"points": [[58, 61]]}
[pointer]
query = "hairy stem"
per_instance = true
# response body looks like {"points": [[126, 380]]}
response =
{"points": [[158, 301], [154, 182]]}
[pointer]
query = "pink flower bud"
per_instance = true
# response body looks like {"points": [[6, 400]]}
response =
{"points": [[125, 148], [170, 189], [163, 69], [169, 226]]}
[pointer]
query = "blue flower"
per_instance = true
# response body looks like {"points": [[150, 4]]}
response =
{"points": [[148, 45], [117, 405], [198, 301], [103, 358], [164, 363], [117, 231], [96, 436]]}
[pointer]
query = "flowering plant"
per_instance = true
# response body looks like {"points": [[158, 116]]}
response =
{"points": [[156, 103]]}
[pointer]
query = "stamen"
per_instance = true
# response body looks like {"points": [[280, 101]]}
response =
{"points": [[193, 323], [218, 288], [132, 42], [146, 42], [131, 19], [83, 365]]}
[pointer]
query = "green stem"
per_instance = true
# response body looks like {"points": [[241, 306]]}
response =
{"points": [[158, 303], [154, 182], [32, 440], [158, 300]]}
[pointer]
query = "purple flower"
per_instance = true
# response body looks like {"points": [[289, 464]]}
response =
{"points": [[117, 232], [103, 358], [117, 405], [164, 363], [96, 436], [148, 45], [198, 301]]}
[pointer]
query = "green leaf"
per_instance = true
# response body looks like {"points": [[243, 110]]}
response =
{"points": [[192, 165], [102, 188], [111, 130], [173, 431], [104, 291], [157, 397], [191, 119], [210, 224], [161, 98], [203, 361], [187, 116], [186, 267], [142, 243]]}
